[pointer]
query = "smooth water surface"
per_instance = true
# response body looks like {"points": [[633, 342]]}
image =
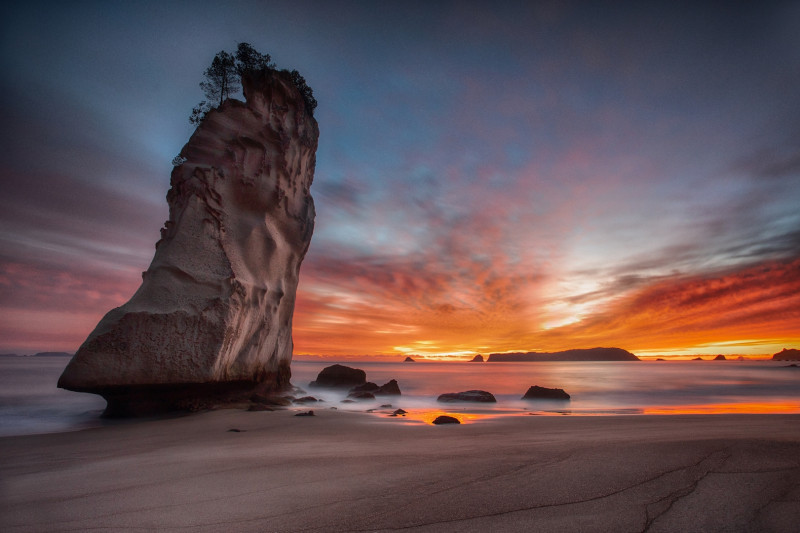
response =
{"points": [[644, 387], [31, 403]]}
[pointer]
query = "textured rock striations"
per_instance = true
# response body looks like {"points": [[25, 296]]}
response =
{"points": [[212, 320]]}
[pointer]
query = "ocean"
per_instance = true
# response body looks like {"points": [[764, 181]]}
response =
{"points": [[31, 403]]}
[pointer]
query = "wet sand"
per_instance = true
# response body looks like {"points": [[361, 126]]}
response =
{"points": [[340, 471]]}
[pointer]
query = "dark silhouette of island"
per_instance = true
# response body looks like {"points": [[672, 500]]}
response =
{"points": [[792, 354], [589, 354], [477, 359], [409, 360]]}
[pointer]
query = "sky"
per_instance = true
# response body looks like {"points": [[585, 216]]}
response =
{"points": [[491, 176]]}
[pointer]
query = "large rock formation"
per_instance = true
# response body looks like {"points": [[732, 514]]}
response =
{"points": [[212, 320]]}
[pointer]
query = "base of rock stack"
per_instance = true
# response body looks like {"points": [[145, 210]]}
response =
{"points": [[148, 400]]}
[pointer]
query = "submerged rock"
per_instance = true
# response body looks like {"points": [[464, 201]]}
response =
{"points": [[467, 396], [212, 320], [339, 377], [445, 419], [542, 393]]}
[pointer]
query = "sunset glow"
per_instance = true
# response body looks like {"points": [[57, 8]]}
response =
{"points": [[522, 177]]}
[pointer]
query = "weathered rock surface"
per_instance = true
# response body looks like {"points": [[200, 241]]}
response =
{"points": [[212, 320], [792, 354], [536, 392], [445, 419], [339, 377], [467, 396]]}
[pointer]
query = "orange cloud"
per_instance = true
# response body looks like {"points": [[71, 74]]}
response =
{"points": [[756, 303], [400, 310]]}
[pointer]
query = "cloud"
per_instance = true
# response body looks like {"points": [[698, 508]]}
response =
{"points": [[759, 301]]}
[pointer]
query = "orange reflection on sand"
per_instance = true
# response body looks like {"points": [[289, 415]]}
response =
{"points": [[427, 416], [725, 408]]}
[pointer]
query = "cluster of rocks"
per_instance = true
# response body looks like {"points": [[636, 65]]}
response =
{"points": [[355, 380], [481, 396]]}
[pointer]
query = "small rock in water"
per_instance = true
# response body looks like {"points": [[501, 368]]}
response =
{"points": [[234, 430], [399, 412], [305, 413], [386, 406], [543, 393], [444, 419], [390, 388], [340, 376], [467, 396]]}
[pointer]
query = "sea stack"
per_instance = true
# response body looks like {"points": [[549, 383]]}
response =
{"points": [[212, 321]]}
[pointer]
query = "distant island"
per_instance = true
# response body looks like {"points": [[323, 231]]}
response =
{"points": [[590, 354], [792, 354]]}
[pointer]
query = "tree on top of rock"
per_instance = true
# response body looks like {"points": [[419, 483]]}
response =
{"points": [[305, 91], [248, 59], [222, 79]]}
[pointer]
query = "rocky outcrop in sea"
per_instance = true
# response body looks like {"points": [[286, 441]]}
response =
{"points": [[212, 320]]}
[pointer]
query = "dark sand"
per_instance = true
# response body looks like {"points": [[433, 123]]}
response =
{"points": [[342, 471]]}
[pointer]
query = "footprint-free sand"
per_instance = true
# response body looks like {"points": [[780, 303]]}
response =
{"points": [[340, 471]]}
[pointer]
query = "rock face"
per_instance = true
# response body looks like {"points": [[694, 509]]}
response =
{"points": [[590, 354], [792, 354], [542, 393], [467, 396], [339, 377], [212, 320]]}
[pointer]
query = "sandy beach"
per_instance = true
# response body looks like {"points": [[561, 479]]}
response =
{"points": [[341, 471]]}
